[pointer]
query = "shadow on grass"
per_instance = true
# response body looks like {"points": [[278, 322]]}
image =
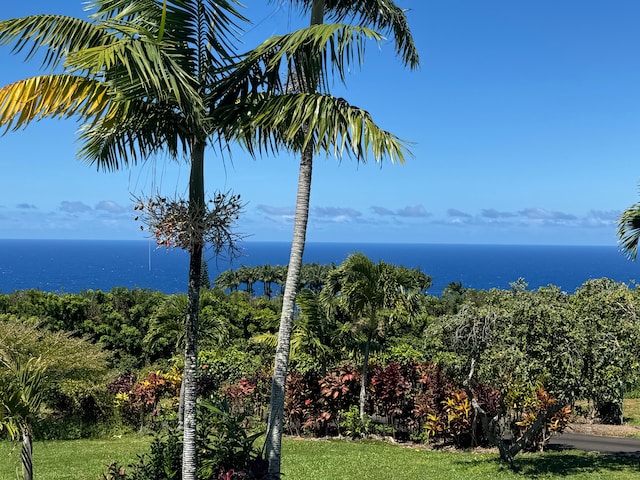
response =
{"points": [[569, 463]]}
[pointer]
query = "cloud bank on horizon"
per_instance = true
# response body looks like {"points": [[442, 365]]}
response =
{"points": [[409, 224]]}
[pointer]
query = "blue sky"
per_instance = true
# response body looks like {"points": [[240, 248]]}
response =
{"points": [[524, 118]]}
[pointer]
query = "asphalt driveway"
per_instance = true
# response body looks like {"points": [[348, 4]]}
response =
{"points": [[628, 447]]}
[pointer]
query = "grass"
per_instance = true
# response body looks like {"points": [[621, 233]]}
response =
{"points": [[333, 460], [72, 459], [631, 409], [343, 460]]}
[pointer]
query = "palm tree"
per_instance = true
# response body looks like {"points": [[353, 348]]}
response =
{"points": [[140, 76], [629, 231], [312, 276], [382, 14], [268, 276], [228, 280], [371, 294], [21, 396]]}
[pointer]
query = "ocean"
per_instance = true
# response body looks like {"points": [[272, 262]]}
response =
{"points": [[74, 265]]}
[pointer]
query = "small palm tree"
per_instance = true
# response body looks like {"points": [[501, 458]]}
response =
{"points": [[228, 280], [21, 396], [372, 294]]}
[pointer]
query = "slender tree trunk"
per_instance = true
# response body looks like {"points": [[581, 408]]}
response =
{"points": [[273, 444], [365, 371], [275, 423], [189, 377], [27, 454]]}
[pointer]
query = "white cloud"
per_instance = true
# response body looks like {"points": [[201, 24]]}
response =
{"points": [[74, 207]]}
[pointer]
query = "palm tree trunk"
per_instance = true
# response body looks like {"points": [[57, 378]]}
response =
{"points": [[275, 422], [273, 447], [27, 453], [189, 377]]}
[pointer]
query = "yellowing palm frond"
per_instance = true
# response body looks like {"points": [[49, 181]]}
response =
{"points": [[51, 96]]}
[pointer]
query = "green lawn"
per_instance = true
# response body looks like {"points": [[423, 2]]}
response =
{"points": [[631, 409], [333, 460], [72, 459], [343, 460]]}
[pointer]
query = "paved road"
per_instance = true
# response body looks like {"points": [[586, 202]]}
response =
{"points": [[629, 447]]}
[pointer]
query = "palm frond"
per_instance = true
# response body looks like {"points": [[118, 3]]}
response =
{"points": [[51, 96], [629, 231], [382, 15], [313, 54], [56, 34], [131, 133], [325, 123]]}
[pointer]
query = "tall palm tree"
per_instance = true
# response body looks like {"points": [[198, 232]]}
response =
{"points": [[371, 294], [380, 14], [140, 75]]}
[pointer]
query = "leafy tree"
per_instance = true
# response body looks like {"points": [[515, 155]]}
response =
{"points": [[608, 326], [39, 367], [545, 348]]}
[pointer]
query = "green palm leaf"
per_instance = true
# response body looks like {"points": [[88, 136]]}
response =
{"points": [[629, 231], [381, 15]]}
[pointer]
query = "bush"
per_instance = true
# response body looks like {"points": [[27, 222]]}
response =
{"points": [[225, 451], [353, 425]]}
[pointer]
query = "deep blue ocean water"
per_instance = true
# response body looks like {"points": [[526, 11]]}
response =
{"points": [[73, 266]]}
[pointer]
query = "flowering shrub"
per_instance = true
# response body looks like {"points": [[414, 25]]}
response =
{"points": [[139, 405]]}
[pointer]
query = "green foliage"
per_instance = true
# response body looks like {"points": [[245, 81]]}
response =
{"points": [[163, 461], [220, 367], [354, 425], [73, 366], [225, 446], [225, 450], [581, 346]]}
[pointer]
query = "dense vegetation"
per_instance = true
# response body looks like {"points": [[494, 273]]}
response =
{"points": [[463, 367]]}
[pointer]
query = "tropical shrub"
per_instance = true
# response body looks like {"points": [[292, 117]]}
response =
{"points": [[226, 450], [538, 406], [138, 403]]}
